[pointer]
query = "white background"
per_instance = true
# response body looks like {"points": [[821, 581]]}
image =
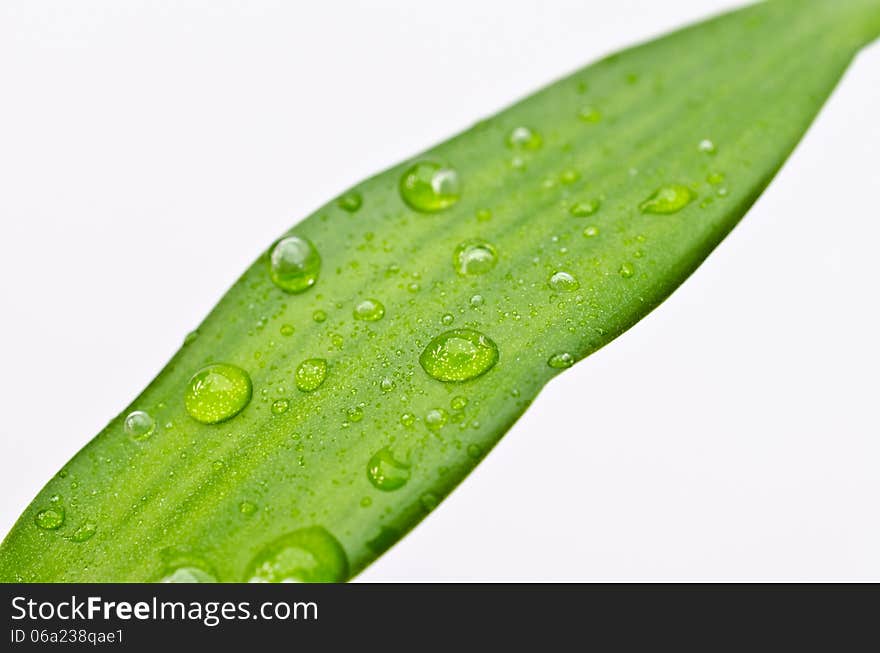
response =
{"points": [[149, 150]]}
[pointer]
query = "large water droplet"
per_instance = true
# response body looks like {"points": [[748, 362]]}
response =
{"points": [[217, 393], [561, 360], [474, 257], [139, 424], [668, 199], [307, 555], [523, 138], [294, 264], [436, 419], [50, 518], [369, 310], [429, 187], [459, 355], [280, 406], [188, 574], [564, 282], [310, 374], [386, 472]]}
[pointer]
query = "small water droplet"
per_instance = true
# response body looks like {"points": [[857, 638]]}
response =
{"points": [[386, 384], [287, 330], [459, 355], [217, 393], [366, 502], [319, 316], [564, 282], [668, 199], [474, 451], [561, 360], [447, 319], [386, 472], [474, 257], [706, 146], [484, 215], [407, 419], [590, 114], [280, 407], [369, 310], [458, 403], [436, 419], [247, 508], [310, 374], [429, 187], [354, 414], [139, 425], [591, 232], [585, 208], [84, 531], [626, 270], [476, 301], [523, 138], [715, 178], [351, 201], [294, 264], [569, 176], [50, 518], [309, 555]]}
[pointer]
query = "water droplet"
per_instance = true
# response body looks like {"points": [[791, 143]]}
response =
{"points": [[458, 403], [668, 199], [476, 301], [474, 451], [523, 138], [564, 282], [84, 531], [386, 472], [407, 419], [447, 319], [319, 316], [436, 419], [247, 508], [707, 147], [50, 518], [429, 187], [715, 178], [591, 232], [626, 270], [280, 407], [310, 374], [217, 393], [294, 264], [189, 574], [351, 201], [369, 310], [561, 360], [484, 215], [386, 384], [459, 355], [308, 555], [287, 330], [474, 257], [366, 502], [354, 414], [590, 114], [139, 425], [585, 208]]}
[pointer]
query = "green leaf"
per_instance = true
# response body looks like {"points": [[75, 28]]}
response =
{"points": [[366, 362]]}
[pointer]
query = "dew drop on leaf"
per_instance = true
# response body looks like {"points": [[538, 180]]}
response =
{"points": [[436, 419], [429, 187], [459, 355], [351, 201], [307, 555], [369, 310], [386, 472], [668, 199], [139, 425], [50, 518], [217, 393], [524, 138], [564, 282], [310, 374], [473, 257], [561, 360], [584, 208], [294, 264]]}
